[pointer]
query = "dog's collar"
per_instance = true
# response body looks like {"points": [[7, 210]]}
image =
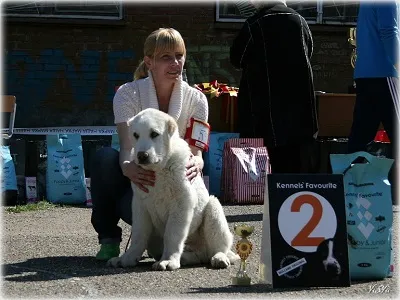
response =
{"points": [[175, 104]]}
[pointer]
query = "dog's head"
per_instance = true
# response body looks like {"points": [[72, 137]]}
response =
{"points": [[152, 131]]}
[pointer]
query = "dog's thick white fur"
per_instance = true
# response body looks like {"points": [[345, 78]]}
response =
{"points": [[178, 222]]}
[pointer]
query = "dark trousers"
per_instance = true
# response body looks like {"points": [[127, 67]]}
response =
{"points": [[376, 101], [111, 195], [296, 158]]}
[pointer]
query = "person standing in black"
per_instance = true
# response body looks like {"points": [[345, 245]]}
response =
{"points": [[276, 98]]}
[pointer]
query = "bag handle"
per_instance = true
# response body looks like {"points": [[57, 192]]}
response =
{"points": [[358, 160], [342, 163], [244, 142]]}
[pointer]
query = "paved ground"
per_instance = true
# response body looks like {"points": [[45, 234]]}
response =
{"points": [[50, 254]]}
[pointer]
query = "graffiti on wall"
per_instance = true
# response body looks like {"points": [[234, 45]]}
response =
{"points": [[32, 77], [206, 63], [85, 79]]}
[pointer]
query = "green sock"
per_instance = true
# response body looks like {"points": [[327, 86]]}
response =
{"points": [[108, 251]]}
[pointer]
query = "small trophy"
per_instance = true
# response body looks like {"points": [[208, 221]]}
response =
{"points": [[243, 248], [353, 41]]}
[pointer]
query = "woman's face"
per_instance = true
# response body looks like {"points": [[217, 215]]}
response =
{"points": [[167, 65]]}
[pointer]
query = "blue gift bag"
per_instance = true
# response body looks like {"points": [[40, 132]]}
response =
{"points": [[65, 174], [368, 211], [8, 175], [115, 142], [213, 159]]}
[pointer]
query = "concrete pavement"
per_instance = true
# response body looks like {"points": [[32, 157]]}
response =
{"points": [[50, 253]]}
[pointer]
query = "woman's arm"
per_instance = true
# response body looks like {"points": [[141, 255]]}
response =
{"points": [[125, 142], [198, 156], [195, 164], [135, 173], [125, 107], [199, 112]]}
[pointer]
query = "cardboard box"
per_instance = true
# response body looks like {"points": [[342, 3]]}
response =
{"points": [[222, 112], [335, 114]]}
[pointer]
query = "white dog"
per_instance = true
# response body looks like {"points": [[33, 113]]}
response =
{"points": [[178, 222]]}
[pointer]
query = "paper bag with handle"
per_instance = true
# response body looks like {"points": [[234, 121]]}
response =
{"points": [[245, 165]]}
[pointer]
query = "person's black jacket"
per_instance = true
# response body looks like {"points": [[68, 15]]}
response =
{"points": [[276, 98]]}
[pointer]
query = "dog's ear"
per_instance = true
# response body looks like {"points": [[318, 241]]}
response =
{"points": [[129, 124], [172, 126]]}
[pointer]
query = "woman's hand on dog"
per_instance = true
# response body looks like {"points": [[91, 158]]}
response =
{"points": [[139, 176], [193, 168]]}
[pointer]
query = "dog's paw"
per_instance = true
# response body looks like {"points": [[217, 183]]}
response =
{"points": [[114, 262], [233, 257], [220, 261], [169, 265], [122, 261]]}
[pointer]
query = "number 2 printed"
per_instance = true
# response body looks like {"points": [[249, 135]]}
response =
{"points": [[305, 220], [303, 237]]}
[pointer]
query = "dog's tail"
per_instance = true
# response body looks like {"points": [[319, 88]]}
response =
{"points": [[233, 258]]}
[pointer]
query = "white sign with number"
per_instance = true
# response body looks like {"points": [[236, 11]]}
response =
{"points": [[200, 132], [305, 220], [304, 238]]}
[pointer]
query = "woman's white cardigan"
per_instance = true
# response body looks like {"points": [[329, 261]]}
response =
{"points": [[186, 102]]}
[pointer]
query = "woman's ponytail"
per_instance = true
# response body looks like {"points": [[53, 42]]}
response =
{"points": [[141, 71]]}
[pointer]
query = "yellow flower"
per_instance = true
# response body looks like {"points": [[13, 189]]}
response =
{"points": [[244, 248]]}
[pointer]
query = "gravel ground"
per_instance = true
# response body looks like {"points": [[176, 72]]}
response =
{"points": [[49, 254]]}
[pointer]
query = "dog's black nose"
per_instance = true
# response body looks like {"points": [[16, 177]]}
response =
{"points": [[143, 157], [333, 269]]}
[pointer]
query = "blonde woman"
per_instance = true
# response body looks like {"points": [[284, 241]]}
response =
{"points": [[157, 84]]}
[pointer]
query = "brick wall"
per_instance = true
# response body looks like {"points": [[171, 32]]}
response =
{"points": [[64, 73]]}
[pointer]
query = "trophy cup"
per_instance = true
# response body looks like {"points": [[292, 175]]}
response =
{"points": [[243, 248], [352, 40]]}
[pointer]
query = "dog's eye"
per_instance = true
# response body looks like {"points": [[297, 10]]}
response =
{"points": [[135, 135], [154, 134]]}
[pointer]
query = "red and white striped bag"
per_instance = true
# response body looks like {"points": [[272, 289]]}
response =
{"points": [[245, 165]]}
